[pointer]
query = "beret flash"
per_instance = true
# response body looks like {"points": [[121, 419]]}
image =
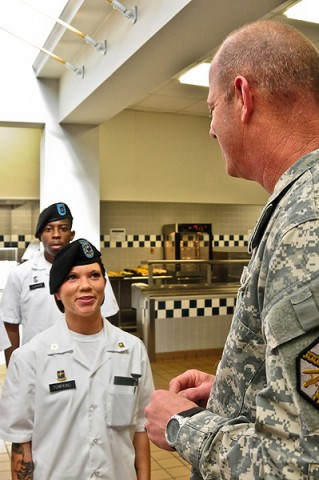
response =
{"points": [[78, 252], [56, 211]]}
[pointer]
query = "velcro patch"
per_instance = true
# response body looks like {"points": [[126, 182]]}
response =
{"points": [[307, 364]]}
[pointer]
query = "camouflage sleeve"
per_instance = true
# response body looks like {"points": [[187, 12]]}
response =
{"points": [[278, 435], [211, 444], [283, 441], [290, 258]]}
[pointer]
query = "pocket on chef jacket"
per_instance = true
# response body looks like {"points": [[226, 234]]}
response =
{"points": [[120, 402]]}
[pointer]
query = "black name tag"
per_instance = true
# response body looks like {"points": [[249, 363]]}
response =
{"points": [[59, 387], [129, 381], [36, 285]]}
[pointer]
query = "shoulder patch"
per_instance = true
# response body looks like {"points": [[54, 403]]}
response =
{"points": [[308, 373]]}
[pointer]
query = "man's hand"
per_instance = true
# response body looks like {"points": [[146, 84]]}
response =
{"points": [[162, 407], [193, 385]]}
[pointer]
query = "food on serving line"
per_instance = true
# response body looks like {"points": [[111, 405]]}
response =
{"points": [[140, 271], [159, 271], [113, 274], [144, 270], [122, 273]]}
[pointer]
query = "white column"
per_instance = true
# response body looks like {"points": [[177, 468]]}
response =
{"points": [[69, 172]]}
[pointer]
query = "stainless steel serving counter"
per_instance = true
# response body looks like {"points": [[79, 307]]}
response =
{"points": [[185, 310], [121, 285], [183, 317], [187, 287]]}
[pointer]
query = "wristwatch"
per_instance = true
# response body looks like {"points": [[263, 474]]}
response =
{"points": [[176, 422]]}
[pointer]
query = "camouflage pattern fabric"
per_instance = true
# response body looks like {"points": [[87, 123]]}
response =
{"points": [[257, 424]]}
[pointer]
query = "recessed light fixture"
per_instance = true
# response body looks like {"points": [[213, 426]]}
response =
{"points": [[197, 75], [306, 10]]}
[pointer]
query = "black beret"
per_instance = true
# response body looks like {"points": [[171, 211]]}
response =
{"points": [[56, 211], [79, 252]]}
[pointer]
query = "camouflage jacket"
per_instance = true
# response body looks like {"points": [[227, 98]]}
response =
{"points": [[262, 417]]}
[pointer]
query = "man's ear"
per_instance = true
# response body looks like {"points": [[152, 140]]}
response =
{"points": [[244, 95], [72, 235]]}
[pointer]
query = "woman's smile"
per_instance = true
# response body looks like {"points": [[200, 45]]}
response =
{"points": [[86, 300], [82, 294]]}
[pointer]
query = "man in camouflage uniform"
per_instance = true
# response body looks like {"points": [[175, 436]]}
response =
{"points": [[261, 419]]}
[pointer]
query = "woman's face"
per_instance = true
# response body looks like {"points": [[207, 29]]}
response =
{"points": [[82, 292]]}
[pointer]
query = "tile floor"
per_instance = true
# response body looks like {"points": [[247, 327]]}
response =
{"points": [[165, 465]]}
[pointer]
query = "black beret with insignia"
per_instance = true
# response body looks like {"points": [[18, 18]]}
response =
{"points": [[56, 211], [78, 252]]}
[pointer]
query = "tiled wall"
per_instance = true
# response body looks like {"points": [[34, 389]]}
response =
{"points": [[143, 223], [231, 225], [17, 224]]}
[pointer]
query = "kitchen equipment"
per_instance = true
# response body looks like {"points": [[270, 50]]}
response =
{"points": [[188, 241]]}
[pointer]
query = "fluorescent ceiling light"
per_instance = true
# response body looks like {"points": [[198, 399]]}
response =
{"points": [[196, 76], [306, 10]]}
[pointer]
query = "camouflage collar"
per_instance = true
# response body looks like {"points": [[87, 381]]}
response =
{"points": [[283, 185]]}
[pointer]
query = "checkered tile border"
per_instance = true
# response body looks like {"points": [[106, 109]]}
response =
{"points": [[156, 241], [197, 307], [15, 241], [230, 240], [132, 241]]}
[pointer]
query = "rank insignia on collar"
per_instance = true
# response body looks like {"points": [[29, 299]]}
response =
{"points": [[121, 345], [61, 377], [308, 373]]}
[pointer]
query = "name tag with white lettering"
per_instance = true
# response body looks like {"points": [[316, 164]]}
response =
{"points": [[59, 387], [35, 286]]}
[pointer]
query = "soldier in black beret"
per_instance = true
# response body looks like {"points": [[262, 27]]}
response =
{"points": [[86, 387], [79, 252], [25, 300], [53, 213]]}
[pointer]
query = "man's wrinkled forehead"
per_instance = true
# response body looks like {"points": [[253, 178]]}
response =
{"points": [[213, 80]]}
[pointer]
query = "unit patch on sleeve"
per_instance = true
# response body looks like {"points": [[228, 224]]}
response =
{"points": [[308, 373]]}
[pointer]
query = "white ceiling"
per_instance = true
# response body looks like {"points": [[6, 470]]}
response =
{"points": [[175, 97], [148, 81]]}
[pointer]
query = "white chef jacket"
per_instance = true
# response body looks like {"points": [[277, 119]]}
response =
{"points": [[4, 339], [81, 427], [26, 298]]}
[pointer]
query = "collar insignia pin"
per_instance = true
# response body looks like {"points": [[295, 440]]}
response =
{"points": [[61, 375]]}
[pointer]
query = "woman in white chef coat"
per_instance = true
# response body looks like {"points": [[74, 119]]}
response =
{"points": [[74, 396]]}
